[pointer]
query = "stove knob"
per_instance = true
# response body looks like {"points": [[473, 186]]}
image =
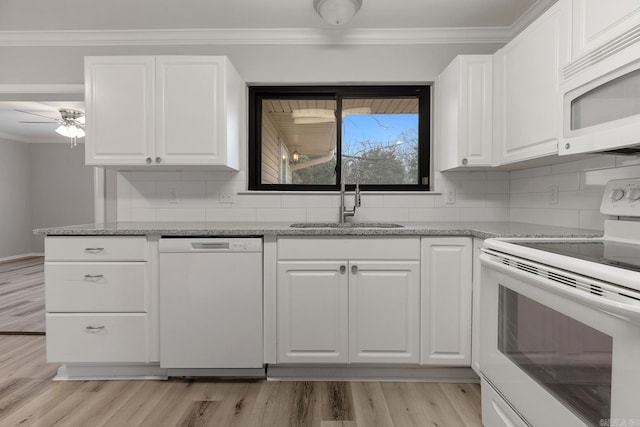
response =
{"points": [[634, 194], [617, 194]]}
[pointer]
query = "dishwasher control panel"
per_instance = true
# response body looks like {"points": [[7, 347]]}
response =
{"points": [[211, 244], [245, 245]]}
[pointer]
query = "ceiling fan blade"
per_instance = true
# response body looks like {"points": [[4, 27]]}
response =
{"points": [[39, 115]]}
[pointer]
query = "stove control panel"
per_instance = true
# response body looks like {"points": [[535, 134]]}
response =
{"points": [[622, 198]]}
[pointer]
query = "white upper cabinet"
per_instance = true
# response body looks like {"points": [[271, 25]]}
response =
{"points": [[119, 102], [597, 23], [464, 97], [527, 79], [173, 110]]}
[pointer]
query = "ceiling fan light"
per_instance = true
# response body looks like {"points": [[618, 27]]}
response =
{"points": [[337, 12], [70, 131]]}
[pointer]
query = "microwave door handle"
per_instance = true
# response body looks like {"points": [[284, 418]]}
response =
{"points": [[618, 309]]}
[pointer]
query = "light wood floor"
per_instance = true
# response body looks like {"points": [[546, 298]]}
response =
{"points": [[22, 295], [28, 397]]}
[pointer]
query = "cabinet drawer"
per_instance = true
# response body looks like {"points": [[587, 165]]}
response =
{"points": [[96, 286], [100, 338], [338, 248], [91, 248]]}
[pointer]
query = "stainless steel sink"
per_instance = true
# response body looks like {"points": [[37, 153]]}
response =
{"points": [[346, 225]]}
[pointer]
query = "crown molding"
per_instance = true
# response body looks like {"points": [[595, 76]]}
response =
{"points": [[257, 36], [530, 15]]}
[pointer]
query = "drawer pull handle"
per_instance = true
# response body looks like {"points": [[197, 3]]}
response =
{"points": [[93, 276], [93, 250], [94, 328]]}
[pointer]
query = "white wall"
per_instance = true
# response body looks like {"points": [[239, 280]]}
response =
{"points": [[41, 185], [15, 200], [256, 63], [581, 187], [61, 188]]}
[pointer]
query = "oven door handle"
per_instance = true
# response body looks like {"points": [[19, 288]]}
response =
{"points": [[624, 311]]}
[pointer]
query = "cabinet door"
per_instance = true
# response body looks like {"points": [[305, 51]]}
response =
{"points": [[313, 316], [384, 307], [527, 79], [596, 23], [465, 94], [191, 126], [446, 301], [475, 307], [119, 102]]}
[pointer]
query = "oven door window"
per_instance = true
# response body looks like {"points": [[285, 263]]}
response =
{"points": [[571, 360]]}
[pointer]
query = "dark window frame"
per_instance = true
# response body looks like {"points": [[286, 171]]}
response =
{"points": [[258, 93]]}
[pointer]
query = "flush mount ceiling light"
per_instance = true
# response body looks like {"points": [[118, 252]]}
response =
{"points": [[307, 116], [337, 12]]}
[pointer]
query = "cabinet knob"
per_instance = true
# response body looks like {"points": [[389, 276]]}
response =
{"points": [[93, 276], [148, 160], [465, 161], [567, 145], [343, 268], [158, 159], [94, 328], [354, 269]]}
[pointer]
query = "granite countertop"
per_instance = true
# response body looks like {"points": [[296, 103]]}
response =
{"points": [[476, 229]]}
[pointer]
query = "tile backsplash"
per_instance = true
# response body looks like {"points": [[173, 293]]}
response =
{"points": [[566, 194], [579, 186], [221, 196]]}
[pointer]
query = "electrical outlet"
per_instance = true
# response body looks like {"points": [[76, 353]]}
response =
{"points": [[450, 196], [173, 196], [227, 197], [554, 195]]}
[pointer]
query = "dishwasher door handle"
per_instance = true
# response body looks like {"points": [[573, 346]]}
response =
{"points": [[209, 245]]}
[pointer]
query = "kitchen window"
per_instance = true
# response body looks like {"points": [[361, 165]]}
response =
{"points": [[382, 142]]}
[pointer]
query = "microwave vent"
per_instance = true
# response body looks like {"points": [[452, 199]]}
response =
{"points": [[625, 151]]}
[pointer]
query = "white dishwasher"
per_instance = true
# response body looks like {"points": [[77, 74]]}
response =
{"points": [[211, 303]]}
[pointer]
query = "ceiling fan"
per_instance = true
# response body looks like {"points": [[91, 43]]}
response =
{"points": [[71, 123]]}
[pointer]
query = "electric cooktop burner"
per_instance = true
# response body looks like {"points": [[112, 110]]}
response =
{"points": [[621, 255]]}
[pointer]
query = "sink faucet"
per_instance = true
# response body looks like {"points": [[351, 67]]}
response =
{"points": [[346, 212]]}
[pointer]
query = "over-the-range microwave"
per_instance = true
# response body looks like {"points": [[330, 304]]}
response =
{"points": [[601, 103]]}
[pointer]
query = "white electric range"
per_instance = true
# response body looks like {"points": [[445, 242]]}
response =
{"points": [[560, 324]]}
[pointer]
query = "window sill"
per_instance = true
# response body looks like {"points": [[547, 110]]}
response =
{"points": [[331, 193]]}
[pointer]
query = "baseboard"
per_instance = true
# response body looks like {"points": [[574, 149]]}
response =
{"points": [[21, 256], [373, 373], [86, 372]]}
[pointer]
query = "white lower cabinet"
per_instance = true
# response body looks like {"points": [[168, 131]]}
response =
{"points": [[446, 301], [475, 307], [363, 308], [384, 305], [313, 312], [97, 338], [98, 299]]}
